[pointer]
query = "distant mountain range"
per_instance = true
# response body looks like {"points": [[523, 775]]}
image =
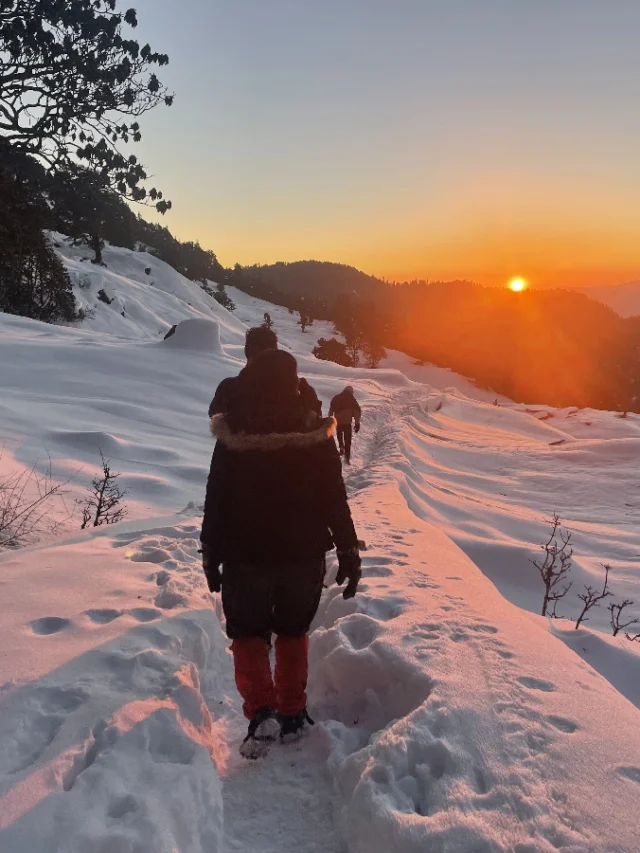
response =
{"points": [[623, 298]]}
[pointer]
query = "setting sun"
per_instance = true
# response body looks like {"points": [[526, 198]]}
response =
{"points": [[517, 285]]}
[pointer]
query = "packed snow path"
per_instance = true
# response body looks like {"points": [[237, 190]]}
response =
{"points": [[445, 715], [448, 718]]}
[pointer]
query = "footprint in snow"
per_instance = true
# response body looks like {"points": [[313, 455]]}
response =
{"points": [[385, 609], [48, 625], [145, 614], [562, 724], [483, 629], [505, 654], [360, 630], [123, 806], [155, 555], [630, 773], [103, 615], [537, 684]]}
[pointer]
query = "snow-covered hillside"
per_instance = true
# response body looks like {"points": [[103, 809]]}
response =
{"points": [[450, 716]]}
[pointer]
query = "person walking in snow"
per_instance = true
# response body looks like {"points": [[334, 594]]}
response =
{"points": [[257, 340], [275, 504], [309, 396], [346, 410]]}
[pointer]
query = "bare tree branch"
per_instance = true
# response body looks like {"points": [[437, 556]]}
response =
{"points": [[592, 599], [555, 567], [105, 496], [616, 614]]}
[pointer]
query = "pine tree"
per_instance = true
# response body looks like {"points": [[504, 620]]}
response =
{"points": [[88, 210], [333, 350], [33, 280]]}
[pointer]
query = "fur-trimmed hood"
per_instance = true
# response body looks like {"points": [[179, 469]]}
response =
{"points": [[242, 441]]}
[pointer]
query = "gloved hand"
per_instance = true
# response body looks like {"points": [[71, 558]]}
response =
{"points": [[349, 567], [211, 567], [356, 428]]}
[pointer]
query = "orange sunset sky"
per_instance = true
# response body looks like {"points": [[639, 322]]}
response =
{"points": [[412, 139]]}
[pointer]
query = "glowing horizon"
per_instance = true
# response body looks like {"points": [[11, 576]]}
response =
{"points": [[352, 133]]}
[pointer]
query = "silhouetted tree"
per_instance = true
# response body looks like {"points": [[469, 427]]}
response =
{"points": [[33, 281], [268, 322], [305, 320], [346, 324], [104, 503], [222, 297], [555, 566], [88, 210], [332, 350], [71, 81]]}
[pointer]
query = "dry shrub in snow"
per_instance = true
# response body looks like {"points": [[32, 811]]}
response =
{"points": [[616, 613], [591, 598], [104, 503], [25, 506], [555, 566]]}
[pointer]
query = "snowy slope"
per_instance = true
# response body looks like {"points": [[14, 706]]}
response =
{"points": [[450, 716]]}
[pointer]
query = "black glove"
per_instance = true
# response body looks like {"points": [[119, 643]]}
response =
{"points": [[349, 567], [211, 567], [356, 428]]}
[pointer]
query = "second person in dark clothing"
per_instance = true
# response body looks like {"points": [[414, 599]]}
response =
{"points": [[275, 504], [346, 410]]}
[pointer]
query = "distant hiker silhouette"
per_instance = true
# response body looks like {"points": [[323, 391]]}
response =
{"points": [[275, 504], [346, 409], [309, 396]]}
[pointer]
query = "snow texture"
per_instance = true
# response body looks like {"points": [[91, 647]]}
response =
{"points": [[450, 716]]}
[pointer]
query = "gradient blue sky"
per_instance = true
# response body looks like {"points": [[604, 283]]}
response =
{"points": [[458, 138]]}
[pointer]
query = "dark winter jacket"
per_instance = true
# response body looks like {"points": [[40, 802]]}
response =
{"points": [[276, 496], [223, 400], [345, 408], [309, 397]]}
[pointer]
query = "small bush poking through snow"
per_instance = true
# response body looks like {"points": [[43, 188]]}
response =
{"points": [[103, 506], [590, 598], [616, 613], [25, 506], [555, 567]]}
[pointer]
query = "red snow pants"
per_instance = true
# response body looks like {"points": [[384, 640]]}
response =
{"points": [[259, 601]]}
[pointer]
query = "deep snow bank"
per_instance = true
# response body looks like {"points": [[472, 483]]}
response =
{"points": [[106, 743], [457, 722]]}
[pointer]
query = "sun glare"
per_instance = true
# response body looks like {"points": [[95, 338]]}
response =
{"points": [[517, 285]]}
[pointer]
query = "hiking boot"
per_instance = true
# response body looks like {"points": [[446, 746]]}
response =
{"points": [[292, 725], [262, 732]]}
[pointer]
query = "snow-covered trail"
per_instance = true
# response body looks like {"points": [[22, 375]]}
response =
{"points": [[445, 715], [279, 804], [436, 722]]}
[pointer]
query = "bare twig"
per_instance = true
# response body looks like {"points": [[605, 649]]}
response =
{"points": [[555, 566], [591, 598], [105, 496], [616, 614], [25, 505]]}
